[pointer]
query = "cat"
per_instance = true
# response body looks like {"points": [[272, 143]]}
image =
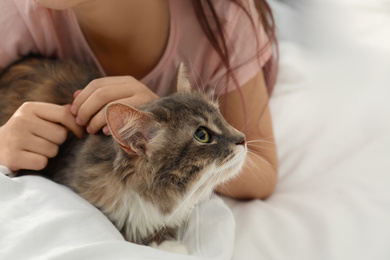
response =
{"points": [[160, 160]]}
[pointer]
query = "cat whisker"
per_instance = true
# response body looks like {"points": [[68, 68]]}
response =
{"points": [[195, 76], [262, 147], [205, 178], [190, 195], [209, 177], [216, 83], [253, 164], [263, 172], [260, 157], [261, 141], [223, 90], [259, 177], [185, 224], [199, 87], [249, 119], [220, 176], [253, 117]]}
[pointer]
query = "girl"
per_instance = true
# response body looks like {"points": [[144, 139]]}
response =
{"points": [[137, 45]]}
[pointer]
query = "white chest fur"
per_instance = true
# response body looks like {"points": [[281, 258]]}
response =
{"points": [[140, 219]]}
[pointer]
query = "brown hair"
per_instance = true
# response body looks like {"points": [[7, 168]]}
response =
{"points": [[218, 41]]}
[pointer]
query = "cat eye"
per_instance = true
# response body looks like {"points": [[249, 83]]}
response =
{"points": [[201, 135]]}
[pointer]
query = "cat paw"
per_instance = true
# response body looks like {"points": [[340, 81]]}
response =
{"points": [[171, 246]]}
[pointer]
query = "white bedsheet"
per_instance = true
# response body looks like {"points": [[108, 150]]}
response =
{"points": [[43, 220], [331, 113]]}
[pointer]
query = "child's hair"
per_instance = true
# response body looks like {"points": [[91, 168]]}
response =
{"points": [[218, 40], [217, 37]]}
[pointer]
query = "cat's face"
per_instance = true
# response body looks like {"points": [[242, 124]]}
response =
{"points": [[183, 145], [197, 146]]}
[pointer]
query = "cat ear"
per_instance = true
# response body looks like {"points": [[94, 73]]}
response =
{"points": [[181, 83], [131, 128]]}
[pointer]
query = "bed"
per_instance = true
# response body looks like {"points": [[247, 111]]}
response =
{"points": [[331, 114]]}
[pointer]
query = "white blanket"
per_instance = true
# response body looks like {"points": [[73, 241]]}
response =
{"points": [[331, 112]]}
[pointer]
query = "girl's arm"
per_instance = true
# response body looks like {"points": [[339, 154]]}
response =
{"points": [[258, 178]]}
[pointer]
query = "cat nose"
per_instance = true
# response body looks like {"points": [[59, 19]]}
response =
{"points": [[241, 141]]}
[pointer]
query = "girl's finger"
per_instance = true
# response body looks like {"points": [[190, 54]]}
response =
{"points": [[96, 123], [76, 93], [59, 114], [101, 97], [49, 131], [41, 146], [69, 121], [31, 161], [92, 87]]}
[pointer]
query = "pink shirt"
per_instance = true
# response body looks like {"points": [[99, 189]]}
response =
{"points": [[27, 27]]}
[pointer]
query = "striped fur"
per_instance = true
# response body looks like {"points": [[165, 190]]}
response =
{"points": [[148, 175]]}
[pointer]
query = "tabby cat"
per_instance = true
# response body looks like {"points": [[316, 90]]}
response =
{"points": [[159, 161]]}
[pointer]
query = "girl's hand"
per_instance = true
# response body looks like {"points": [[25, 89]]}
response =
{"points": [[88, 103], [33, 134]]}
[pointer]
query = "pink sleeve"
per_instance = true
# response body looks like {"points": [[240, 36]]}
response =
{"points": [[26, 27], [244, 43], [15, 38]]}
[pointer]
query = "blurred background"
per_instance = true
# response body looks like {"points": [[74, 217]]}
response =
{"points": [[333, 22]]}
